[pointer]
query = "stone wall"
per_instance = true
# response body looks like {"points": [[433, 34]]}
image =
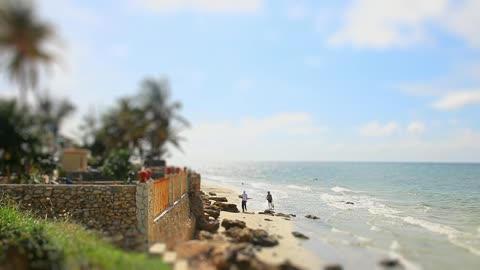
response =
{"points": [[110, 209], [124, 212], [194, 182], [175, 225]]}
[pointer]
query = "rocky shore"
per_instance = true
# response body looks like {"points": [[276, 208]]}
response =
{"points": [[228, 239]]}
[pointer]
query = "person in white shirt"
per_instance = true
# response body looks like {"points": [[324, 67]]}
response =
{"points": [[244, 201]]}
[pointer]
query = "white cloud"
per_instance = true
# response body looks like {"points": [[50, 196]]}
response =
{"points": [[375, 129], [457, 100], [279, 135], [416, 128], [463, 20], [401, 23], [383, 24], [287, 123], [214, 6]]}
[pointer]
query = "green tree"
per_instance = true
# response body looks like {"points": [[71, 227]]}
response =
{"points": [[163, 122], [20, 146], [117, 164], [143, 124], [23, 37], [51, 113]]}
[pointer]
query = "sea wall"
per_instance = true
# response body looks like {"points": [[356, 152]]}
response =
{"points": [[110, 209], [173, 226], [172, 223], [134, 216]]}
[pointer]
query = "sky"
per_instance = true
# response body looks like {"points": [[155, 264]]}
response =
{"points": [[357, 80]]}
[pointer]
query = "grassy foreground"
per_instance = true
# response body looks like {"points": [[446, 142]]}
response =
{"points": [[31, 243]]}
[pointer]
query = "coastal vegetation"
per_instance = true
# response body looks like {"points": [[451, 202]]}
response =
{"points": [[134, 129], [27, 242]]}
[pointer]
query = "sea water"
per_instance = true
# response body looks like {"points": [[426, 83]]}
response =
{"points": [[426, 215]]}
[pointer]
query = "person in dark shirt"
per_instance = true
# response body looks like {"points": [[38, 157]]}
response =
{"points": [[270, 200]]}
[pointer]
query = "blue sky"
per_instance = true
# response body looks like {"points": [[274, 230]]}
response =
{"points": [[382, 80]]}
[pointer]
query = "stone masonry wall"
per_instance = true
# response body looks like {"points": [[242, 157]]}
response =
{"points": [[175, 226], [108, 208], [194, 182]]}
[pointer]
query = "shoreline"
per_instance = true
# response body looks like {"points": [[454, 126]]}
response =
{"points": [[289, 248]]}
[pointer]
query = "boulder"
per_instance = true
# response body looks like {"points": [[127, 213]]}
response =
{"points": [[389, 263], [267, 212], [209, 226], [267, 219], [240, 234], [228, 223], [261, 238], [311, 217], [212, 193], [204, 235], [282, 215], [300, 235], [292, 215], [349, 203], [257, 237], [213, 213], [224, 255], [333, 267], [219, 199], [227, 207]]}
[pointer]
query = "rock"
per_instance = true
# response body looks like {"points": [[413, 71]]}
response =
{"points": [[261, 238], [213, 213], [389, 263], [212, 193], [204, 235], [239, 234], [219, 199], [333, 267], [349, 203], [267, 212], [287, 218], [228, 223], [267, 219], [257, 237], [227, 207], [282, 215], [311, 217], [209, 226], [300, 235], [292, 215], [224, 255]]}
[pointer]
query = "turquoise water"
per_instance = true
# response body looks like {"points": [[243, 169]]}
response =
{"points": [[425, 214]]}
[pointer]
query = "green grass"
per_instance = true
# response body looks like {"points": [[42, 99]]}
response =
{"points": [[49, 244]]}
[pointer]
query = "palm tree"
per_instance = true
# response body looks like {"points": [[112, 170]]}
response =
{"points": [[22, 43], [161, 115], [50, 114], [126, 124]]}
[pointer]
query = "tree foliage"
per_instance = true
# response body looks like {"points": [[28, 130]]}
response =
{"points": [[23, 38], [117, 164], [143, 124]]}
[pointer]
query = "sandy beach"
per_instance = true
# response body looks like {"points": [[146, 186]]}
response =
{"points": [[289, 248]]}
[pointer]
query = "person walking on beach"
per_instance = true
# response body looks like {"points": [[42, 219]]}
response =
{"points": [[244, 201], [270, 200]]}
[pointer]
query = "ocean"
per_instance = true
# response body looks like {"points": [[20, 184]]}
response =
{"points": [[426, 215]]}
